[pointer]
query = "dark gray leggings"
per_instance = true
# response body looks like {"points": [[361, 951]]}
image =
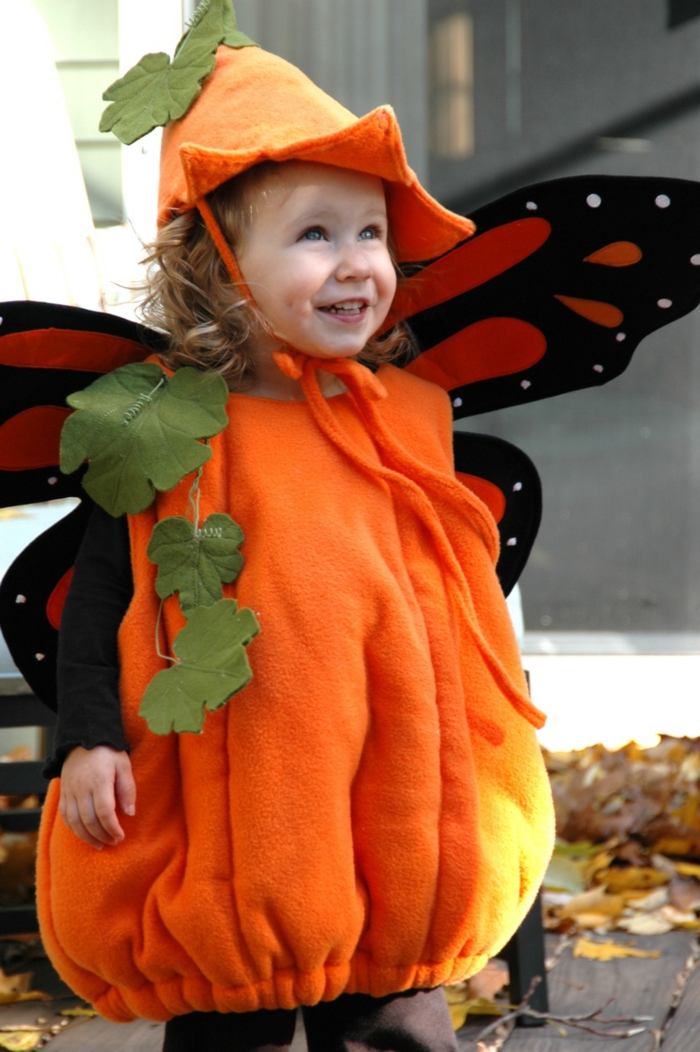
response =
{"points": [[413, 1021]]}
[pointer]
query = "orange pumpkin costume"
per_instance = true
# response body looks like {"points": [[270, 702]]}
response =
{"points": [[372, 812]]}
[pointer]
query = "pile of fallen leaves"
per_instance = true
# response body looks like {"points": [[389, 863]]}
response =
{"points": [[627, 858], [646, 799], [628, 828]]}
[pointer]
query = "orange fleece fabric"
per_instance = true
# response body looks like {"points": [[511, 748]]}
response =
{"points": [[372, 812]]}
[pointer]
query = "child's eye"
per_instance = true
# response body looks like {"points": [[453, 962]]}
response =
{"points": [[370, 232], [314, 233]]}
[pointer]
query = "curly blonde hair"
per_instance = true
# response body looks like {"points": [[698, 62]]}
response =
{"points": [[209, 322]]}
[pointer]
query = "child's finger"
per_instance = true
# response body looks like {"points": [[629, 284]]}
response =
{"points": [[71, 817], [125, 786], [99, 815]]}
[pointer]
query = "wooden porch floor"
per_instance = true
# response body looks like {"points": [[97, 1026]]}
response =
{"points": [[665, 988]]}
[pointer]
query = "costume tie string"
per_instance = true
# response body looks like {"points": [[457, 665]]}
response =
{"points": [[399, 469]]}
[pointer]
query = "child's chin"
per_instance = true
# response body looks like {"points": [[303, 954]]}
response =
{"points": [[331, 352]]}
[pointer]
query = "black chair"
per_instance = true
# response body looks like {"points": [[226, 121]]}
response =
{"points": [[19, 708], [525, 956]]}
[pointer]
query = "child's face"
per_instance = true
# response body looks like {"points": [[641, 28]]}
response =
{"points": [[315, 257]]}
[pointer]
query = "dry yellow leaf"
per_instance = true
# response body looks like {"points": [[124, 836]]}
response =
{"points": [[460, 1011], [690, 767], [16, 998], [594, 921], [608, 951], [75, 1013], [649, 901], [599, 862], [684, 846], [646, 923], [594, 901], [20, 1041], [678, 916], [688, 869], [689, 811], [628, 878]]}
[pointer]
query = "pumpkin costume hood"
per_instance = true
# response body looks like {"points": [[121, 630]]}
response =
{"points": [[281, 115]]}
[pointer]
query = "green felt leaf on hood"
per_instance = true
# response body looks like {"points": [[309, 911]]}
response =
{"points": [[156, 90], [139, 432], [212, 667], [232, 35], [195, 562]]}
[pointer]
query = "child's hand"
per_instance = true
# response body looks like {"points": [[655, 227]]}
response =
{"points": [[93, 782]]}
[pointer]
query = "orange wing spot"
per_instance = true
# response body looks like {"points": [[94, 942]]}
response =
{"points": [[488, 492], [56, 601], [595, 311], [488, 348], [616, 254], [31, 438]]}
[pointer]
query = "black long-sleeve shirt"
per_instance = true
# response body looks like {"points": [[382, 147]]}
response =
{"points": [[89, 713]]}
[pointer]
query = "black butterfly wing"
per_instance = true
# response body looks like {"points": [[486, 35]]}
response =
{"points": [[32, 593], [506, 480], [557, 288], [47, 351]]}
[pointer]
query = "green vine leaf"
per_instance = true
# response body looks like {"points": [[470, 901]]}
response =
{"points": [[156, 90], [139, 432], [195, 562], [212, 667]]}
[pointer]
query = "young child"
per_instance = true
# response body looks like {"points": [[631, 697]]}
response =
{"points": [[369, 817]]}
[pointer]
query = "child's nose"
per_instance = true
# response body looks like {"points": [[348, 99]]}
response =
{"points": [[353, 264]]}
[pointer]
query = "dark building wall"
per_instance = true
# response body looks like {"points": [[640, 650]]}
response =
{"points": [[620, 464], [553, 76]]}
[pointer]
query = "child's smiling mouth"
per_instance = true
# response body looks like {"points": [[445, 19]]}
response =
{"points": [[353, 308]]}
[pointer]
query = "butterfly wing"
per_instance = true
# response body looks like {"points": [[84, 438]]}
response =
{"points": [[556, 290], [32, 594], [48, 351], [506, 480]]}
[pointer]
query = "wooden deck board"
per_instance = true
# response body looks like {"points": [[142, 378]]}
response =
{"points": [[636, 986], [86, 1036], [633, 986], [683, 1031]]}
